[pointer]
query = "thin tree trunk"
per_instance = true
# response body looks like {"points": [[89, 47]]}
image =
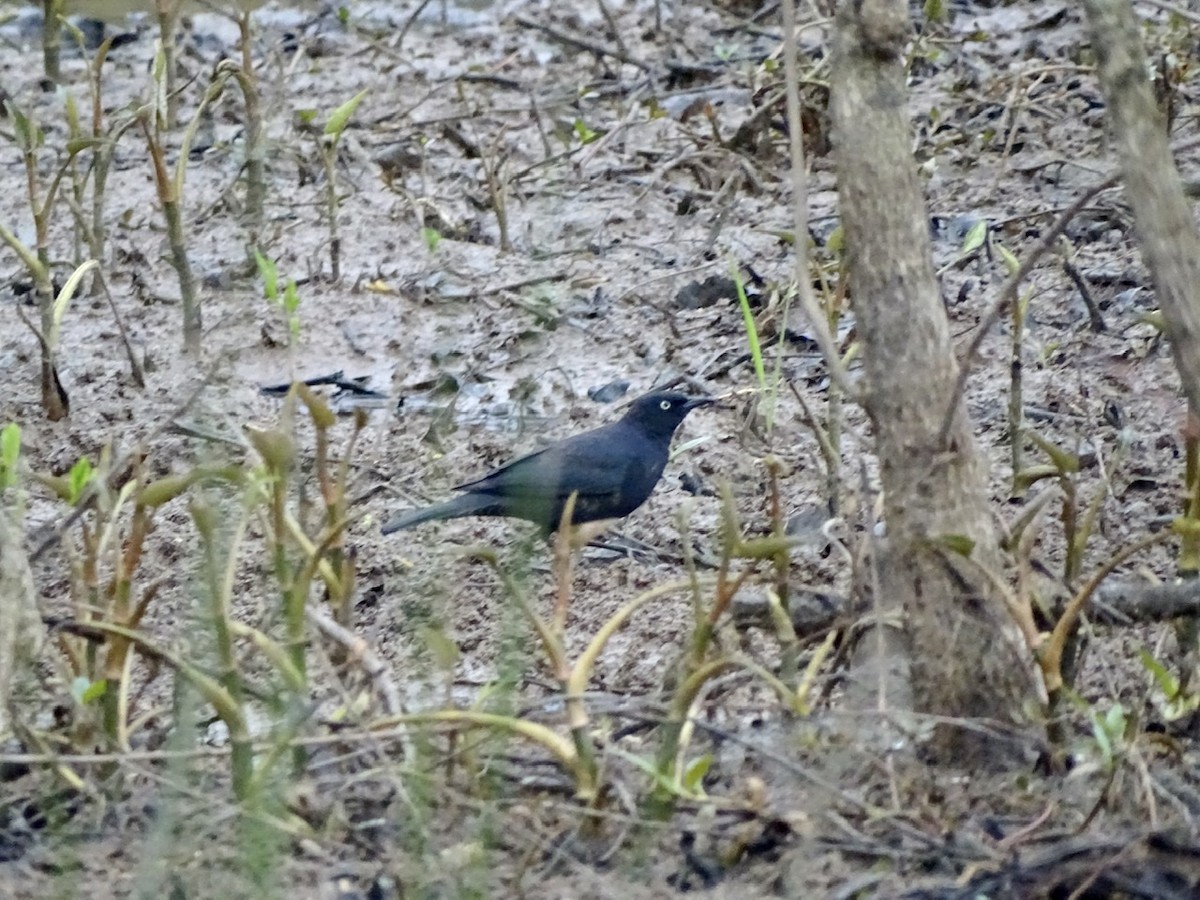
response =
{"points": [[1161, 211], [23, 632], [966, 662]]}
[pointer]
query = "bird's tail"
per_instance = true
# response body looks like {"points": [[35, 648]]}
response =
{"points": [[462, 505]]}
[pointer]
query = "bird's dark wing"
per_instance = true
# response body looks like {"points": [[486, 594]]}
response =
{"points": [[612, 469], [594, 463]]}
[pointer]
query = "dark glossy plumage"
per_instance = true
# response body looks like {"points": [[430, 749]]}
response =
{"points": [[614, 468]]}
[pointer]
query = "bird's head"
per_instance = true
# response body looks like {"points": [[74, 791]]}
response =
{"points": [[660, 412]]}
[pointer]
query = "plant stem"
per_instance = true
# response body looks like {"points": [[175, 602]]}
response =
{"points": [[52, 39], [256, 187], [167, 13], [1016, 419], [183, 267]]}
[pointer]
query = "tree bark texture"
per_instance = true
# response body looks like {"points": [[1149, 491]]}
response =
{"points": [[966, 659], [21, 629], [1161, 211]]}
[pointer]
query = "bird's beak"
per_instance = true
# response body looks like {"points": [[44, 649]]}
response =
{"points": [[699, 401]]}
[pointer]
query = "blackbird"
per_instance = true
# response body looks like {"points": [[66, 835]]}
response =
{"points": [[613, 469]]}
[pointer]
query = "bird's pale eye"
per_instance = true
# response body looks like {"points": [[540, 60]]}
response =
{"points": [[664, 404]]}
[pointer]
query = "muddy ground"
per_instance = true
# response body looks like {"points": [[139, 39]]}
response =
{"points": [[531, 197]]}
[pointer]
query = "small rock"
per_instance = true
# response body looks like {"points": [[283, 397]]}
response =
{"points": [[607, 393]]}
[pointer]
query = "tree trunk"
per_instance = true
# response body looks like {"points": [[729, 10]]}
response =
{"points": [[966, 659], [1161, 210], [22, 635]]}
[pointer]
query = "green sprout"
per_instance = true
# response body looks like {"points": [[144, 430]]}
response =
{"points": [[288, 301], [10, 452]]}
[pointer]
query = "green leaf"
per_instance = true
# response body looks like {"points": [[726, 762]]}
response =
{"points": [[432, 238], [1171, 701], [10, 443], [71, 109], [663, 781], [1102, 739], [77, 145], [585, 134], [957, 543], [975, 237], [1022, 306], [1031, 475], [165, 489], [1167, 683], [341, 116], [1066, 463], [1115, 721], [159, 80], [79, 478], [693, 778], [86, 691], [291, 305], [63, 301], [1154, 319], [29, 135], [291, 297], [10, 452], [1048, 350], [444, 650], [1115, 724], [760, 371], [836, 242], [1011, 264], [96, 690], [269, 275]]}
